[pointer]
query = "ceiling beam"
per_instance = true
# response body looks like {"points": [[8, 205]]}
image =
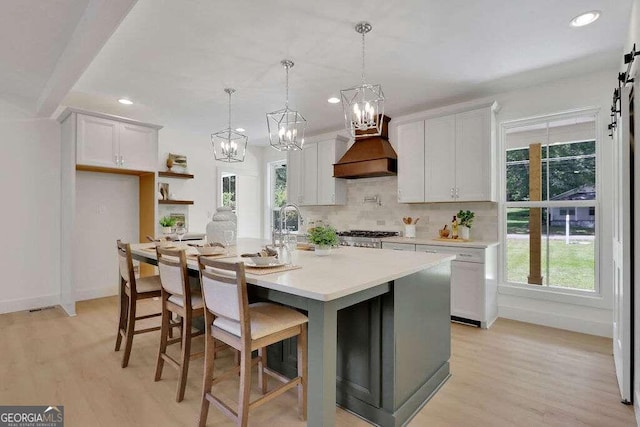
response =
{"points": [[99, 21]]}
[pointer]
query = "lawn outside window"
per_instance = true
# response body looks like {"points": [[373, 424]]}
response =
{"points": [[550, 204]]}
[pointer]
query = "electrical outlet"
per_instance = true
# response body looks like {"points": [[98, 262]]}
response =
{"points": [[381, 222], [102, 209]]}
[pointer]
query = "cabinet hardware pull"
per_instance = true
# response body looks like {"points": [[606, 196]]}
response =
{"points": [[457, 192], [465, 255], [451, 192]]}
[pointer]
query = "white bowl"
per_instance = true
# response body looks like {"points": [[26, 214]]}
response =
{"points": [[264, 260], [210, 250]]}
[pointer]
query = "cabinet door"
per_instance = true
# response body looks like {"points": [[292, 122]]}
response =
{"points": [[467, 290], [411, 162], [309, 175], [439, 159], [475, 152], [331, 191], [97, 141], [294, 178], [138, 147]]}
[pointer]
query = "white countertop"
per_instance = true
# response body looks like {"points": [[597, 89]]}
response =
{"points": [[346, 271], [432, 241]]}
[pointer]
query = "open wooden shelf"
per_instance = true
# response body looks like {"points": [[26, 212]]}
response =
{"points": [[175, 202], [169, 174]]}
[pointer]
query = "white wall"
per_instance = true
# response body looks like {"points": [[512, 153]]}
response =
{"points": [[107, 209], [204, 188], [30, 215]]}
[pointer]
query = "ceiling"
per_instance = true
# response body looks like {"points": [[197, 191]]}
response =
{"points": [[174, 59]]}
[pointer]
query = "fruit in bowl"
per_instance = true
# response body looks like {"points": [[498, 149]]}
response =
{"points": [[444, 232]]}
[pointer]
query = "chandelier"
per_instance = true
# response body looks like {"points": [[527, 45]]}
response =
{"points": [[363, 105], [286, 127], [229, 145]]}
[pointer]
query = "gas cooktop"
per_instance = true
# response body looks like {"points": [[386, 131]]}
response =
{"points": [[367, 233]]}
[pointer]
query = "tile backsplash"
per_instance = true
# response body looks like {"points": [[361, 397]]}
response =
{"points": [[359, 214]]}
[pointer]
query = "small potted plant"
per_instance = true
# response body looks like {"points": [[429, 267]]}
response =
{"points": [[167, 222], [465, 221], [323, 237]]}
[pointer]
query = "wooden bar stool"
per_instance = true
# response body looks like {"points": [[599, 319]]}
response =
{"points": [[246, 327], [177, 298], [132, 290]]}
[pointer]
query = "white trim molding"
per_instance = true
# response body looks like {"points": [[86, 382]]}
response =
{"points": [[22, 304]]}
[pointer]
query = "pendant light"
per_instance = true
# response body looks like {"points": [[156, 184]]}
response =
{"points": [[363, 105], [229, 145], [286, 127]]}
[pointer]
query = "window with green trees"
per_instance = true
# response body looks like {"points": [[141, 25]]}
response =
{"points": [[551, 204]]}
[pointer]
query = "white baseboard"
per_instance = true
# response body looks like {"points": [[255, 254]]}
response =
{"points": [[636, 406], [93, 293], [22, 304], [557, 320]]}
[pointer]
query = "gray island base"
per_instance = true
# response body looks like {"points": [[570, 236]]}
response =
{"points": [[379, 327], [392, 348]]}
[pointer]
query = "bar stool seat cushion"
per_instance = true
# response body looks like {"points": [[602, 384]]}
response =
{"points": [[196, 300], [265, 318], [148, 284]]}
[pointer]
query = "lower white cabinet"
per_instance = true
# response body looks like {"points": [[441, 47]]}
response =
{"points": [[474, 282]]}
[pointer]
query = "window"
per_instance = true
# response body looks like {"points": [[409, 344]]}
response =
{"points": [[228, 190], [550, 204], [278, 197]]}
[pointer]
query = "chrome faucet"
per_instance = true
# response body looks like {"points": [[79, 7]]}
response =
{"points": [[283, 223]]}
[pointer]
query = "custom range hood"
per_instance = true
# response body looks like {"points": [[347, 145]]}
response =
{"points": [[368, 157]]}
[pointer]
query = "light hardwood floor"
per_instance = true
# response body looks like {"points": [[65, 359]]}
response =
{"points": [[513, 374]]}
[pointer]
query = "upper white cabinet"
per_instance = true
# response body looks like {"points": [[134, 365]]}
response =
{"points": [[110, 143], [448, 158], [411, 167], [310, 178]]}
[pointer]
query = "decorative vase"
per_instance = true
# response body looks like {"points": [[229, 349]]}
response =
{"points": [[224, 219], [464, 231], [166, 230], [322, 250]]}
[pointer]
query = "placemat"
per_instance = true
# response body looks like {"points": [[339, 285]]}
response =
{"points": [[263, 271], [222, 255]]}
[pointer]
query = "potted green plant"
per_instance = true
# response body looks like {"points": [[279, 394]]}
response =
{"points": [[323, 237], [465, 221], [167, 222]]}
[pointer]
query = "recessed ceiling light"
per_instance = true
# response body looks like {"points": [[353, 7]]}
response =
{"points": [[585, 18], [240, 129], [333, 100], [125, 101]]}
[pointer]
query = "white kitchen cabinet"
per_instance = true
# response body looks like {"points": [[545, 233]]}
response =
{"points": [[439, 159], [448, 158], [97, 141], [109, 143], [294, 176], [309, 175], [411, 166], [310, 178], [475, 156], [474, 291]]}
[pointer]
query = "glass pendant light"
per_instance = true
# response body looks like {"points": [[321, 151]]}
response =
{"points": [[364, 104], [229, 145], [286, 127]]}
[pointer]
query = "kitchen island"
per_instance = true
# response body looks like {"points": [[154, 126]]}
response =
{"points": [[379, 330]]}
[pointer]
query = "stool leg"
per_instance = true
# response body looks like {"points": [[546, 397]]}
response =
{"points": [[209, 362], [131, 323], [122, 321], [302, 372], [245, 387], [164, 332], [186, 352], [262, 376]]}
